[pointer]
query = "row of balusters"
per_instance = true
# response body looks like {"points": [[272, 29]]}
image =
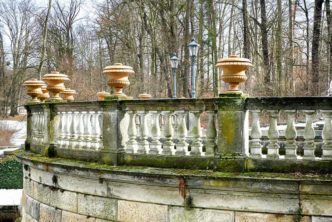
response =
{"points": [[80, 130], [291, 145], [38, 127], [166, 133]]}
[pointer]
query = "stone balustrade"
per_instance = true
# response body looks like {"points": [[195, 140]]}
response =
{"points": [[298, 143], [187, 133]]}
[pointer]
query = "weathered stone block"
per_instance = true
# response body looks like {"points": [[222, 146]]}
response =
{"points": [[72, 217], [321, 219], [82, 185], [317, 205], [70, 182], [180, 214], [55, 197], [323, 189], [49, 214], [28, 218], [142, 212], [100, 207], [258, 217], [64, 200], [32, 208], [28, 186], [41, 192], [245, 201], [145, 193], [41, 176]]}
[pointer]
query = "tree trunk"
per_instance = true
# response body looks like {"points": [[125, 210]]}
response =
{"points": [[265, 45], [44, 39], [315, 47], [213, 37], [329, 39], [246, 42], [280, 77]]}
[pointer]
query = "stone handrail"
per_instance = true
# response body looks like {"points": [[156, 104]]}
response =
{"points": [[183, 133]]}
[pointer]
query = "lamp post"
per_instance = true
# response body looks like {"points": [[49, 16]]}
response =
{"points": [[193, 48], [174, 64]]}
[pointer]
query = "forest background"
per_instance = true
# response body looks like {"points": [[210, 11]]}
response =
{"points": [[288, 41]]}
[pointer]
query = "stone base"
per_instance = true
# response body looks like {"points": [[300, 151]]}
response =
{"points": [[69, 191]]}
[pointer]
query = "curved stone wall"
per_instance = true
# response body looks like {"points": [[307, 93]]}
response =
{"points": [[59, 190]]}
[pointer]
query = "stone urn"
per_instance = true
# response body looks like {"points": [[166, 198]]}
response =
{"points": [[45, 95], [55, 84], [234, 69], [101, 95], [34, 89], [144, 96], [117, 75], [68, 94]]}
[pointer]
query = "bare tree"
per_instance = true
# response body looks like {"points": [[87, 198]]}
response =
{"points": [[316, 34], [18, 20]]}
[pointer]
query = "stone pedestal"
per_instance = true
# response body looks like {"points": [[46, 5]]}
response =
{"points": [[232, 121]]}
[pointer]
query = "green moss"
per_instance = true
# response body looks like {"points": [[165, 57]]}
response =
{"points": [[11, 175], [166, 172]]}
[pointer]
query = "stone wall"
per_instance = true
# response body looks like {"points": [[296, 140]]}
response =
{"points": [[67, 191]]}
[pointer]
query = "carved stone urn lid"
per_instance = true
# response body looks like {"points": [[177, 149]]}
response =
{"points": [[33, 82], [69, 91], [44, 88], [118, 68], [55, 75], [233, 60], [144, 96]]}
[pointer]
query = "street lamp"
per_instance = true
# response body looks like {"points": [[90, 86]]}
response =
{"points": [[193, 48], [174, 64]]}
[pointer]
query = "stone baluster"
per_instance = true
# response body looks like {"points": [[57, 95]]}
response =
{"points": [[132, 133], [309, 136], [33, 127], [81, 140], [99, 123], [72, 130], [62, 129], [155, 145], [290, 135], [327, 135], [196, 145], [68, 120], [87, 129], [273, 135], [38, 128], [182, 145], [58, 130], [76, 129], [255, 134], [96, 131], [211, 134], [168, 145], [143, 144], [45, 127]]}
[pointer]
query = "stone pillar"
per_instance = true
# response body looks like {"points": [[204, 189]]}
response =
{"points": [[52, 123], [232, 126], [112, 150], [27, 143]]}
